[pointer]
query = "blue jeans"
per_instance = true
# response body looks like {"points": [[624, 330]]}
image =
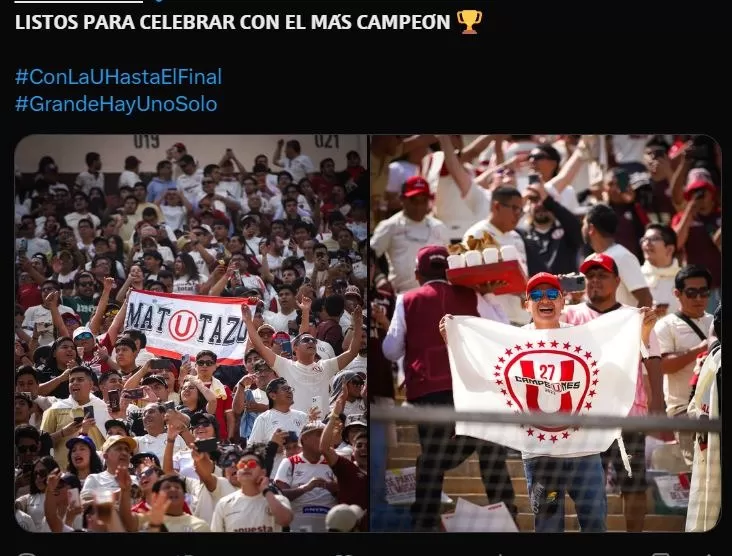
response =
{"points": [[582, 478]]}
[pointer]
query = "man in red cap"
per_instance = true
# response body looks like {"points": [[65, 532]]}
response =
{"points": [[402, 235], [603, 281], [414, 334], [550, 478], [699, 226]]}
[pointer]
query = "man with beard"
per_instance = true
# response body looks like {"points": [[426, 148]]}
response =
{"points": [[603, 281], [554, 229]]}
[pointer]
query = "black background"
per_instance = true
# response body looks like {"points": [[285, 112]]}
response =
{"points": [[533, 67]]}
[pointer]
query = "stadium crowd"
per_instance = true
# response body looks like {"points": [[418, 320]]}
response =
{"points": [[110, 436], [633, 220]]}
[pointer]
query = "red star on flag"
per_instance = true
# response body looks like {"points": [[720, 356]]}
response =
{"points": [[541, 344], [595, 373], [501, 360], [594, 382], [554, 343], [498, 367], [588, 354], [508, 351], [592, 393], [541, 437], [509, 403], [504, 392], [553, 438], [565, 434], [499, 382], [593, 364], [588, 405], [566, 345], [529, 345], [577, 349], [517, 347], [496, 374], [530, 432]]}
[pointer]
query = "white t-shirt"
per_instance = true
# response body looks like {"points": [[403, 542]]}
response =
{"points": [[190, 186], [674, 336], [309, 381], [358, 364], [240, 513], [511, 304], [38, 313], [86, 181], [399, 172], [400, 239], [175, 216], [629, 270], [183, 464], [186, 285], [128, 178], [311, 508], [203, 501], [278, 320], [99, 481], [156, 444], [629, 148], [269, 421], [299, 167]]}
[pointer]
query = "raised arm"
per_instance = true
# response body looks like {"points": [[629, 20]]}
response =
{"points": [[346, 357], [95, 324], [267, 354]]}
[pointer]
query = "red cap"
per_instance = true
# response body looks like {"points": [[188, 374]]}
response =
{"points": [[599, 259], [180, 146], [542, 278], [431, 258], [698, 185], [416, 185]]}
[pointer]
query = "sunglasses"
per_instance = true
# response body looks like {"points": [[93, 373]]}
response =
{"points": [[552, 294], [146, 473], [307, 340], [205, 363], [200, 424], [693, 293], [285, 388], [248, 464], [85, 336], [27, 449]]}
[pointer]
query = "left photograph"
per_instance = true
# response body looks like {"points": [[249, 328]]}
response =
{"points": [[190, 345]]}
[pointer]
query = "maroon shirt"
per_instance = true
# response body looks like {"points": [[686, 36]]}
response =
{"points": [[630, 228], [699, 248], [662, 207], [353, 487], [426, 363]]}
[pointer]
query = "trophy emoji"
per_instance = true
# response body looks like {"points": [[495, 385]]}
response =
{"points": [[469, 18]]}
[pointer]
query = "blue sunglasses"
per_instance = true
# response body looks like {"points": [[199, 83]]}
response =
{"points": [[84, 336], [552, 294]]}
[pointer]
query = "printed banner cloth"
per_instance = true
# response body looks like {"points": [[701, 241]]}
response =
{"points": [[583, 370], [177, 324]]}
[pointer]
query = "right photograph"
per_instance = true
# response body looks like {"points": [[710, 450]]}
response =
{"points": [[545, 333]]}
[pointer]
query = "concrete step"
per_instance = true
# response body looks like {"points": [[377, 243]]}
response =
{"points": [[615, 523], [461, 485]]}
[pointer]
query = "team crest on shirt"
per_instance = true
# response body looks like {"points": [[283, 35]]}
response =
{"points": [[299, 473], [558, 233], [544, 378], [317, 369]]}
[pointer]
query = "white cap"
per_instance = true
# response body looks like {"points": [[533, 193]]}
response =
{"points": [[343, 518]]}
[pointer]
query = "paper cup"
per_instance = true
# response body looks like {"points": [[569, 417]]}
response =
{"points": [[509, 253], [473, 258], [455, 261], [490, 255]]}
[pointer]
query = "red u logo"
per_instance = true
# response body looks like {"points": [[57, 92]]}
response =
{"points": [[546, 372], [178, 331]]}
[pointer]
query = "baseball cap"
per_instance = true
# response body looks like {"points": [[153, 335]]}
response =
{"points": [[152, 379], [117, 439], [180, 146], [137, 458], [352, 291], [599, 259], [355, 420], [182, 242], [266, 327], [274, 384], [416, 185], [311, 427], [116, 423], [542, 278], [698, 185], [82, 330], [81, 438], [343, 518], [431, 257]]}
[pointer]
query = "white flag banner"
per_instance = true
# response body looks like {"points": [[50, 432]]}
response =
{"points": [[582, 370], [177, 324]]}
